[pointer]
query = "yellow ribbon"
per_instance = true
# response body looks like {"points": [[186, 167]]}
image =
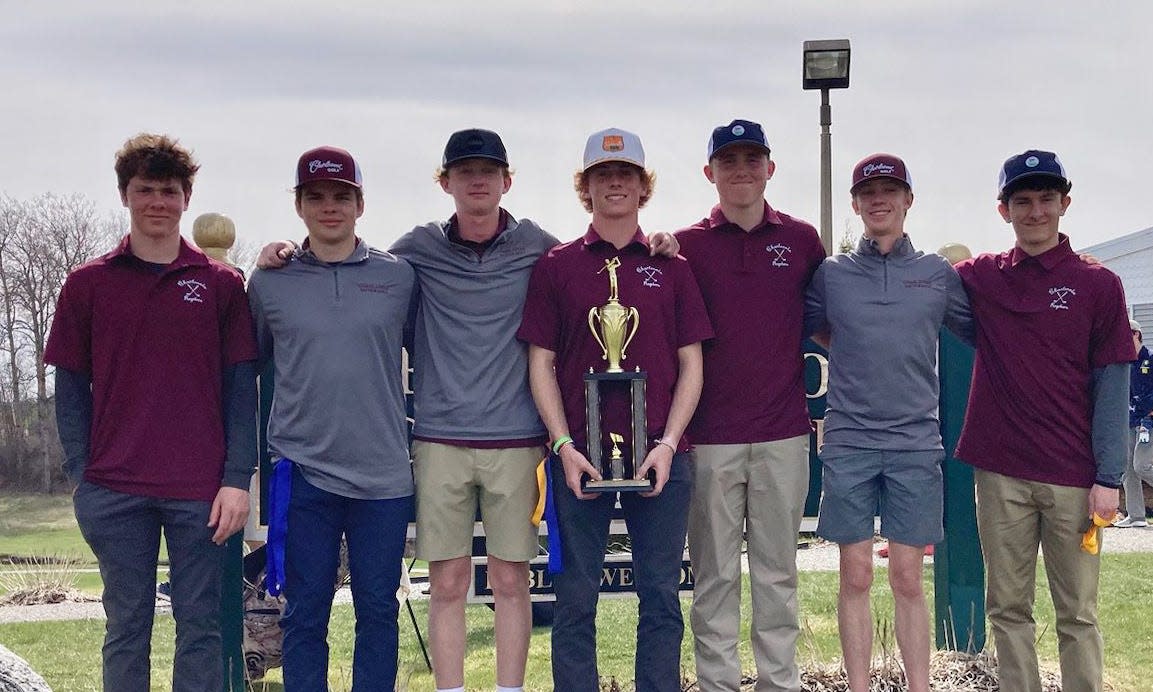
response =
{"points": [[1091, 541], [538, 511]]}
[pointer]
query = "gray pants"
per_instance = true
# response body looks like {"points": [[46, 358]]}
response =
{"points": [[1139, 468], [124, 532]]}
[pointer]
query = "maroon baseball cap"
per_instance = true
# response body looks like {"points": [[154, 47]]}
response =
{"points": [[327, 163], [880, 166]]}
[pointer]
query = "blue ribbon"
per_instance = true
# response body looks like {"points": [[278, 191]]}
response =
{"points": [[555, 560], [279, 492]]}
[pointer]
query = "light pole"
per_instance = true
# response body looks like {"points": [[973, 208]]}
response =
{"points": [[826, 66]]}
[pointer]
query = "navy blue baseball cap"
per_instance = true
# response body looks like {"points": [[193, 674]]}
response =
{"points": [[474, 144], [1032, 163], [737, 132]]}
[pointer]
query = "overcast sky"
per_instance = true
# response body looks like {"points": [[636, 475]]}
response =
{"points": [[954, 88]]}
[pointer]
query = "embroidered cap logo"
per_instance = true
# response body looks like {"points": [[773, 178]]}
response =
{"points": [[878, 169], [330, 166]]}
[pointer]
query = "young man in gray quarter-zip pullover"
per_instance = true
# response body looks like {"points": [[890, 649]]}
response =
{"points": [[332, 322], [882, 306]]}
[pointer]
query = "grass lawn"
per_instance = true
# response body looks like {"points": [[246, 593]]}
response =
{"points": [[40, 525], [1124, 584], [44, 526]]}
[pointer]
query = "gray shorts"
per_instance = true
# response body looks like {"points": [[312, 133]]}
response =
{"points": [[905, 488]]}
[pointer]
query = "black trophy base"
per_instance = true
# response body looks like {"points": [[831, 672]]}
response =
{"points": [[618, 485]]}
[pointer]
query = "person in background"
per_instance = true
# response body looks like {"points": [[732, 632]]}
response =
{"points": [[1139, 466]]}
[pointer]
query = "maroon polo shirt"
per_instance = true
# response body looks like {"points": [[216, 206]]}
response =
{"points": [[1044, 324], [156, 345], [563, 288], [754, 285]]}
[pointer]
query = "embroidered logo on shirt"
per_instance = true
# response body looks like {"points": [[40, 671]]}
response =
{"points": [[373, 288], [1061, 295], [652, 274], [918, 283], [193, 287], [779, 251]]}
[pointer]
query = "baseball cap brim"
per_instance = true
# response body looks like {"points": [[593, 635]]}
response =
{"points": [[740, 143]]}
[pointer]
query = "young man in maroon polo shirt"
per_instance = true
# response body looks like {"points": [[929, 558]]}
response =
{"points": [[156, 402], [566, 283], [751, 429], [1045, 427]]}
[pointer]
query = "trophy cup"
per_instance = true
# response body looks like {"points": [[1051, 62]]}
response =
{"points": [[613, 326]]}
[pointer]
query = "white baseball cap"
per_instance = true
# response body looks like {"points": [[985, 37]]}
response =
{"points": [[613, 145]]}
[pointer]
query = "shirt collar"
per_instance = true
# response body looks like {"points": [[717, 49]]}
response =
{"points": [[1048, 259], [591, 238], [717, 218], [452, 229], [902, 248], [188, 255], [359, 254]]}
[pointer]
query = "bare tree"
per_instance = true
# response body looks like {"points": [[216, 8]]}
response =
{"points": [[55, 234], [243, 256], [12, 215], [13, 446], [848, 238]]}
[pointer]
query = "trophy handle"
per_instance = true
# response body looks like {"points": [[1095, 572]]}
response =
{"points": [[636, 320], [596, 335]]}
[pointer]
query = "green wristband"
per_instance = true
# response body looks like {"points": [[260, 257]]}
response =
{"points": [[561, 442]]}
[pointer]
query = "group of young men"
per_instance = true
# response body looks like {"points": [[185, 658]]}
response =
{"points": [[496, 315]]}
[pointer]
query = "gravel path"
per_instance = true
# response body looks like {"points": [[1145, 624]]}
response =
{"points": [[818, 556]]}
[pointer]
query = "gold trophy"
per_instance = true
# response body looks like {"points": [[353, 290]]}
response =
{"points": [[613, 326]]}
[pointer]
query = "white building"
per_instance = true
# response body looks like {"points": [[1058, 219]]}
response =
{"points": [[1131, 258]]}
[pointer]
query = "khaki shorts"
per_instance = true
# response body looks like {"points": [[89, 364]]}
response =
{"points": [[451, 482]]}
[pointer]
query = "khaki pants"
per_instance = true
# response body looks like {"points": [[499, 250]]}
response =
{"points": [[1139, 467], [758, 489], [1014, 517]]}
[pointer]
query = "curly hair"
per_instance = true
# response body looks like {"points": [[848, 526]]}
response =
{"points": [[156, 157]]}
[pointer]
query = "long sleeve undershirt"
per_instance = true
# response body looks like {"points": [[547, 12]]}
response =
{"points": [[1110, 422]]}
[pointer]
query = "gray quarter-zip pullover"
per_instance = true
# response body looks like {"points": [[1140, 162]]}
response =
{"points": [[884, 314], [334, 332], [470, 371]]}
